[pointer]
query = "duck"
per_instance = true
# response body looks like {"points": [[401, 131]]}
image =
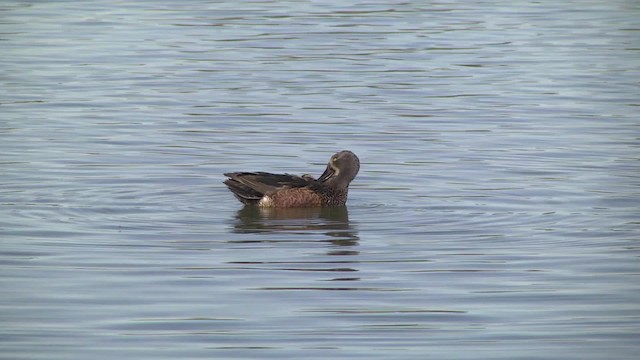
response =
{"points": [[269, 190]]}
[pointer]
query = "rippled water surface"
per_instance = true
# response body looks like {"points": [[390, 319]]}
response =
{"points": [[495, 215]]}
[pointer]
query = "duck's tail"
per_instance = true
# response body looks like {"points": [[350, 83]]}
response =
{"points": [[242, 191]]}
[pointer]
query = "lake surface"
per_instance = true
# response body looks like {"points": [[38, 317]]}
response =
{"points": [[495, 215]]}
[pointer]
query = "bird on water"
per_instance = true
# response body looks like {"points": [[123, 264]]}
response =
{"points": [[290, 191]]}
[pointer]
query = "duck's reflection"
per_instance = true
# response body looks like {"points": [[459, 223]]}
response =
{"points": [[332, 222], [331, 225]]}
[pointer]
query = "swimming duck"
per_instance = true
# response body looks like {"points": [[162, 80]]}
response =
{"points": [[290, 191]]}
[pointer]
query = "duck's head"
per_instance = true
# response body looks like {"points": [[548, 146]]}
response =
{"points": [[342, 168]]}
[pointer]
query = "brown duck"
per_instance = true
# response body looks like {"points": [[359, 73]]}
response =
{"points": [[290, 191]]}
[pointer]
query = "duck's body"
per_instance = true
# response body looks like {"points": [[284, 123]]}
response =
{"points": [[290, 191]]}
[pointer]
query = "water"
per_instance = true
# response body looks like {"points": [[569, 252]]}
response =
{"points": [[495, 215]]}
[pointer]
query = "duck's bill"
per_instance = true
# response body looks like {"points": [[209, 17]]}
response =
{"points": [[327, 174]]}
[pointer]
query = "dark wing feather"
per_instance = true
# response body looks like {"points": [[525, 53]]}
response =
{"points": [[250, 187]]}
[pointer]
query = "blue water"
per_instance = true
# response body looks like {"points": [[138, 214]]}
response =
{"points": [[495, 215]]}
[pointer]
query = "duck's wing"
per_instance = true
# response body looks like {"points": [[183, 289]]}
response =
{"points": [[250, 187]]}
